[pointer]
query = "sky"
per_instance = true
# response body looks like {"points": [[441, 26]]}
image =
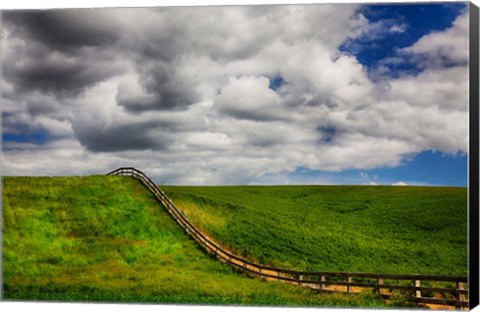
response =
{"points": [[290, 94]]}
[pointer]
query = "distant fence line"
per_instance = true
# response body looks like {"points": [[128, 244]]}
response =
{"points": [[453, 292]]}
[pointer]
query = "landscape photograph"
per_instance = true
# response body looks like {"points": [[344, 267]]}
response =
{"points": [[304, 155]]}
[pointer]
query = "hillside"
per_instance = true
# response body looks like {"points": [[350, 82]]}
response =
{"points": [[105, 239], [381, 229]]}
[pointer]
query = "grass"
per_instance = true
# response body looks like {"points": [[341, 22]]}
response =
{"points": [[378, 229], [106, 239]]}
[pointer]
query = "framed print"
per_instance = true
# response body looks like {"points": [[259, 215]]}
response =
{"points": [[300, 155]]}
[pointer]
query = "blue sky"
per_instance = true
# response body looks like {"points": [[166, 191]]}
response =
{"points": [[417, 20], [351, 95], [426, 168], [33, 137]]}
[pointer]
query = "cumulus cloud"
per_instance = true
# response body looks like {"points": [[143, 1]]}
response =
{"points": [[445, 48], [221, 95], [249, 98], [159, 88]]}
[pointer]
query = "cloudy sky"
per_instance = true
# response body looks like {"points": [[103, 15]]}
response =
{"points": [[299, 94]]}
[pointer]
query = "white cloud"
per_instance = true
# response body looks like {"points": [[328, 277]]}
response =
{"points": [[400, 183], [250, 98], [444, 46], [398, 28]]}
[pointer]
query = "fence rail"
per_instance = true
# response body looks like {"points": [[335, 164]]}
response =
{"points": [[386, 285]]}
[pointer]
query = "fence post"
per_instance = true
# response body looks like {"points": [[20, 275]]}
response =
{"points": [[300, 278], [460, 296], [349, 280], [461, 286], [418, 293], [379, 283], [323, 278]]}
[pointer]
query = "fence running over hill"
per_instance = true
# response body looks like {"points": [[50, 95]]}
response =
{"points": [[443, 290]]}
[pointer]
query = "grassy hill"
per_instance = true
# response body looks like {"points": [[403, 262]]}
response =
{"points": [[104, 238], [379, 229]]}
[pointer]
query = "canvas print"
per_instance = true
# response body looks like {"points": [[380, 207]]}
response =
{"points": [[277, 155]]}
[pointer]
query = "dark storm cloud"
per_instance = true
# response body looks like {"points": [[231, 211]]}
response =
{"points": [[161, 43], [249, 115], [63, 29], [62, 76], [54, 58], [65, 52], [166, 97], [162, 89], [40, 106], [121, 137], [52, 52], [115, 140]]}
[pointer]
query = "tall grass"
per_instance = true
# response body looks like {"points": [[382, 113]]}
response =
{"points": [[106, 239]]}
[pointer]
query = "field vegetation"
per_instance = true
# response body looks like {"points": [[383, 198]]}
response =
{"points": [[106, 239], [376, 229]]}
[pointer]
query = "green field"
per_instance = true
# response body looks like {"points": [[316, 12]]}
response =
{"points": [[375, 229], [106, 239]]}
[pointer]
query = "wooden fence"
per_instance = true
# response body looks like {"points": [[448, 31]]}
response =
{"points": [[426, 289]]}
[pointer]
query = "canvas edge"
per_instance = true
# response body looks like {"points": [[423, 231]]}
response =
{"points": [[474, 156]]}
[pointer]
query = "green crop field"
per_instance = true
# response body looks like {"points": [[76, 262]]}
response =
{"points": [[375, 229], [106, 239]]}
